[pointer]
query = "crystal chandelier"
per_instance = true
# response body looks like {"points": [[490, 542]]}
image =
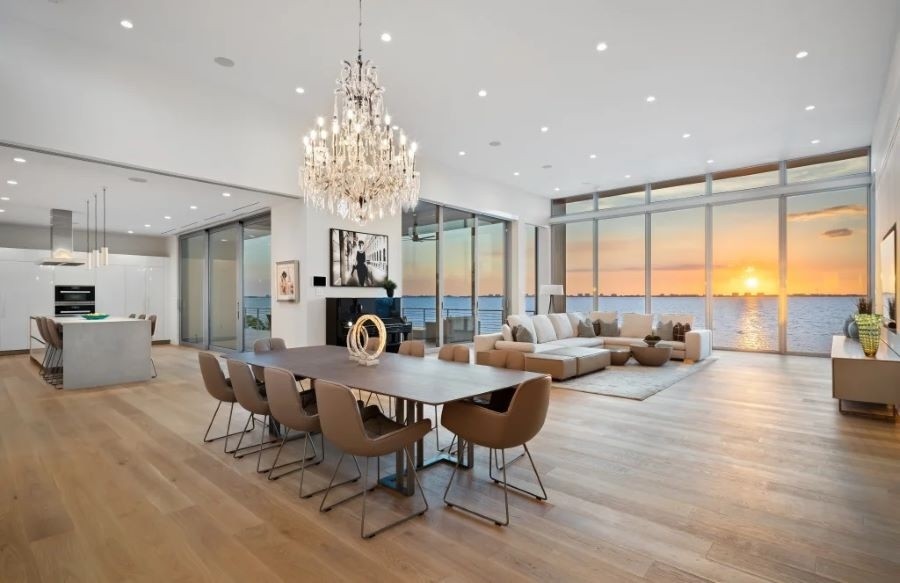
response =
{"points": [[364, 166]]}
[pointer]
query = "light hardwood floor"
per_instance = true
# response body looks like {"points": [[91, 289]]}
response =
{"points": [[743, 471]]}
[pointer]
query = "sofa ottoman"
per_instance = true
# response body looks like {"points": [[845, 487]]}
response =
{"points": [[565, 363]]}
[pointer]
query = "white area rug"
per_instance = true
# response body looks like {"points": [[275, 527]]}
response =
{"points": [[633, 381]]}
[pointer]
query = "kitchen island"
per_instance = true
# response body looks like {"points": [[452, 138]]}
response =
{"points": [[99, 353]]}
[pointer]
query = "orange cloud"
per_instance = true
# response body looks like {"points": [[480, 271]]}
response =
{"points": [[834, 233], [841, 210]]}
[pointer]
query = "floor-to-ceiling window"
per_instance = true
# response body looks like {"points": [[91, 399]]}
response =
{"points": [[257, 303], [771, 257], [620, 264], [455, 278], [678, 263], [420, 259], [531, 268], [745, 275], [225, 284], [827, 244]]}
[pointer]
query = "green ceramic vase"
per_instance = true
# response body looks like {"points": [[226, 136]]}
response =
{"points": [[869, 332]]}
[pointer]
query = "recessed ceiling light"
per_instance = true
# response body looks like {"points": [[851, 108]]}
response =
{"points": [[547, 166], [593, 156], [395, 127], [462, 153], [19, 160], [146, 226], [556, 189], [226, 194], [2, 210], [628, 176], [482, 93], [224, 240], [494, 143], [300, 90], [810, 107], [685, 135], [386, 37], [167, 217], [515, 173], [130, 232], [710, 161], [544, 129], [137, 179], [193, 207], [127, 24], [651, 99], [223, 62], [802, 55], [11, 182], [4, 198], [602, 47], [815, 141]]}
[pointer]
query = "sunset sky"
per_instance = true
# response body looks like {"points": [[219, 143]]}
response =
{"points": [[826, 248]]}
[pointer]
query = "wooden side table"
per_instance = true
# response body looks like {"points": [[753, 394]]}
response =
{"points": [[651, 355]]}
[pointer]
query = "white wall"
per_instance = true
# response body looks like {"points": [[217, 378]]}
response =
{"points": [[886, 164]]}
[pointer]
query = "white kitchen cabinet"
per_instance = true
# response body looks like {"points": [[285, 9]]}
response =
{"points": [[135, 286], [26, 290], [157, 300], [110, 290], [71, 275]]}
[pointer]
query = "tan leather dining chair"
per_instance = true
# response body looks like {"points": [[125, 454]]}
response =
{"points": [[219, 389], [517, 426], [455, 353], [297, 412], [412, 348], [343, 425], [265, 345], [248, 395]]}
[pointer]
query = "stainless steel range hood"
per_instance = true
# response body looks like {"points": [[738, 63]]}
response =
{"points": [[61, 240]]}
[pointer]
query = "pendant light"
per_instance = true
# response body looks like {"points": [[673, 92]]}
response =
{"points": [[96, 251], [104, 251], [87, 248]]}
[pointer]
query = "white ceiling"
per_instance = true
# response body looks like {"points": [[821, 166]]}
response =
{"points": [[48, 181], [723, 71]]}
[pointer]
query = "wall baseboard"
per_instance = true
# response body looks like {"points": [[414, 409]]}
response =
{"points": [[13, 352]]}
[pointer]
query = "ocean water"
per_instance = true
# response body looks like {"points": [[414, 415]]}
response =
{"points": [[743, 322]]}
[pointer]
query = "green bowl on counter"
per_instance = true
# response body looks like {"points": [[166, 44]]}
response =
{"points": [[95, 316]]}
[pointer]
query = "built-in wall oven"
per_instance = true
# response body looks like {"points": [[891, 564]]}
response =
{"points": [[74, 300]]}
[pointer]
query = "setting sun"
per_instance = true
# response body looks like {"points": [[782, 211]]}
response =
{"points": [[751, 283]]}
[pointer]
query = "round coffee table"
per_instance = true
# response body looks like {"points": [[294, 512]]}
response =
{"points": [[619, 355], [651, 355]]}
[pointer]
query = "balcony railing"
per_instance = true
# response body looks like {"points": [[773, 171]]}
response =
{"points": [[489, 320]]}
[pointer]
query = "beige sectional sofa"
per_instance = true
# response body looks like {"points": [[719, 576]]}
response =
{"points": [[555, 331]]}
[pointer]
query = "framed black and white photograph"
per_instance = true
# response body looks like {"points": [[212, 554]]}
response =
{"points": [[287, 276], [358, 259]]}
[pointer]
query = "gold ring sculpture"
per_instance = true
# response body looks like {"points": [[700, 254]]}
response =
{"points": [[358, 340]]}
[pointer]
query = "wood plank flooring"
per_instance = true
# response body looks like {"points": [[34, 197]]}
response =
{"points": [[744, 471]]}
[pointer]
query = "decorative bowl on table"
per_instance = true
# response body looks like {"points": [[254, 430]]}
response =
{"points": [[95, 316]]}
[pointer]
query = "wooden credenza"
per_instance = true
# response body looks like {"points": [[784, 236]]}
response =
{"points": [[864, 379]]}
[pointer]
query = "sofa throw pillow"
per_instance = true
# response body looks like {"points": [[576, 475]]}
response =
{"points": [[609, 329], [679, 331], [562, 326], [523, 334], [665, 330], [586, 329], [520, 320], [506, 332], [543, 329], [637, 325]]}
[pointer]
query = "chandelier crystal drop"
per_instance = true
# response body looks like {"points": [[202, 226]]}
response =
{"points": [[360, 168]]}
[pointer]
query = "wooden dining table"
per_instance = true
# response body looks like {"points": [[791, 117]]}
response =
{"points": [[412, 381]]}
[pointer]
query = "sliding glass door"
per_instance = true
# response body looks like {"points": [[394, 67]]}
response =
{"points": [[192, 268], [225, 285], [455, 277]]}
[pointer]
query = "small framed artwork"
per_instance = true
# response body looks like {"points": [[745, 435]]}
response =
{"points": [[287, 277]]}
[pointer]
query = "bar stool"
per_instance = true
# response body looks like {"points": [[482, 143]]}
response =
{"points": [[220, 389], [54, 333], [49, 350]]}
